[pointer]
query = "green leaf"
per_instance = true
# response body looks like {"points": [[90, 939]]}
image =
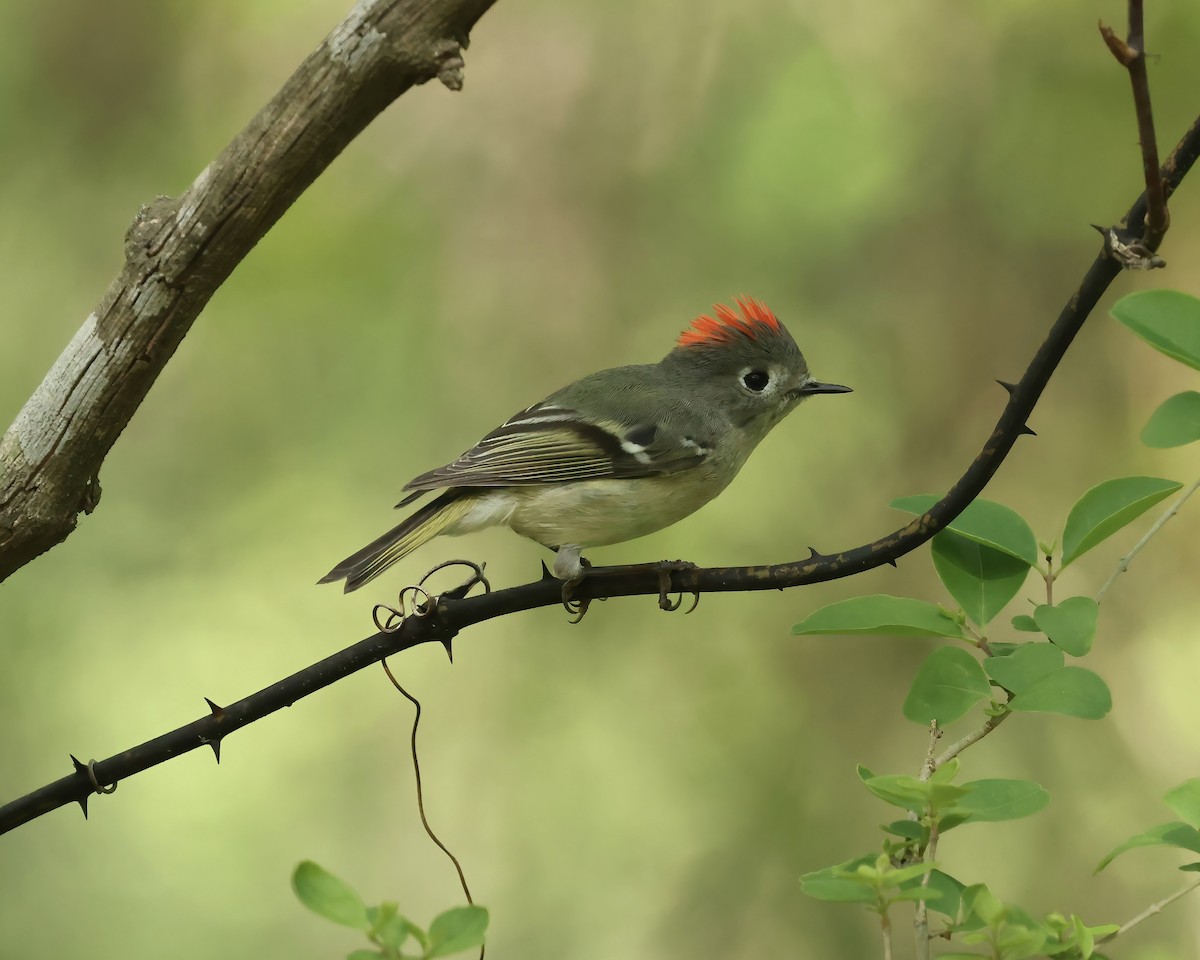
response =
{"points": [[1073, 691], [388, 925], [1191, 867], [912, 894], [946, 772], [949, 683], [993, 800], [907, 829], [985, 522], [1025, 623], [1070, 624], [1174, 834], [1166, 319], [1021, 668], [1107, 507], [839, 884], [896, 616], [951, 893], [980, 902], [1017, 941], [981, 579], [1084, 939], [455, 930], [1184, 801], [325, 894], [1175, 422], [913, 794], [901, 875]]}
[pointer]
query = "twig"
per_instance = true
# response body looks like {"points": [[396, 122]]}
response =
{"points": [[1150, 911], [886, 923], [1123, 563], [1131, 54], [930, 765], [974, 736], [921, 920]]}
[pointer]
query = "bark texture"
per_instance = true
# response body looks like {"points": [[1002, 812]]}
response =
{"points": [[179, 250]]}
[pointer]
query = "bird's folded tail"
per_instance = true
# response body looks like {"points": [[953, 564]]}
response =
{"points": [[425, 524]]}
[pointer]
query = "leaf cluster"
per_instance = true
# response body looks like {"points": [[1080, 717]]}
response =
{"points": [[390, 933]]}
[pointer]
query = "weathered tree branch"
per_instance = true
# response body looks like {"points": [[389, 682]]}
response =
{"points": [[451, 614], [178, 251]]}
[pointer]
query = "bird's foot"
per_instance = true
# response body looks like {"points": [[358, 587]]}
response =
{"points": [[577, 608], [665, 568]]}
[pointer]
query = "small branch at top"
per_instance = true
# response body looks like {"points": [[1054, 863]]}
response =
{"points": [[1131, 54]]}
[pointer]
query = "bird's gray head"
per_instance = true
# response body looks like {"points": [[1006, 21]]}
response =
{"points": [[746, 360]]}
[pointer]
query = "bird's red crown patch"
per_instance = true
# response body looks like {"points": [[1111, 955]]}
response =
{"points": [[756, 320]]}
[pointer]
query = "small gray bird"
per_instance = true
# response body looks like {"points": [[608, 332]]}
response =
{"points": [[616, 455]]}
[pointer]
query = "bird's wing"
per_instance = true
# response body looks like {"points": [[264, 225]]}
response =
{"points": [[548, 443]]}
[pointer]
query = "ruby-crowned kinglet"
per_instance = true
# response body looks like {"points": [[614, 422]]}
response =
{"points": [[616, 455]]}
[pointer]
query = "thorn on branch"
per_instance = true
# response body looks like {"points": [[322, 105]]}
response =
{"points": [[88, 772], [217, 710], [1010, 387], [80, 770], [216, 748], [1027, 431]]}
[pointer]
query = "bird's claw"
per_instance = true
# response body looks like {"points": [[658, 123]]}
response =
{"points": [[577, 608], [665, 569]]}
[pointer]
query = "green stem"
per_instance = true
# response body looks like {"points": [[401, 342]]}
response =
{"points": [[1123, 563], [921, 922], [1150, 911]]}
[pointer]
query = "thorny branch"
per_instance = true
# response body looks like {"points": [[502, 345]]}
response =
{"points": [[451, 614]]}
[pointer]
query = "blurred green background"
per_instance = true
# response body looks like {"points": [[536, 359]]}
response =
{"points": [[908, 185]]}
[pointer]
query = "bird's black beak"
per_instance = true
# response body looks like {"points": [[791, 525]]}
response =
{"points": [[814, 386]]}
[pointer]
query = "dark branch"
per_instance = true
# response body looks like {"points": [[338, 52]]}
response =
{"points": [[450, 615], [180, 250]]}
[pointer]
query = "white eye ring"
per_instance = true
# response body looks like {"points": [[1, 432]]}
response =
{"points": [[756, 380]]}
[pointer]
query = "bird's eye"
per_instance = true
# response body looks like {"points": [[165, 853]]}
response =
{"points": [[756, 380]]}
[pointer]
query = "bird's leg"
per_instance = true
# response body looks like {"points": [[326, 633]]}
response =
{"points": [[570, 567]]}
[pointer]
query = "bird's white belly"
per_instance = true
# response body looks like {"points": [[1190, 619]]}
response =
{"points": [[592, 513]]}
